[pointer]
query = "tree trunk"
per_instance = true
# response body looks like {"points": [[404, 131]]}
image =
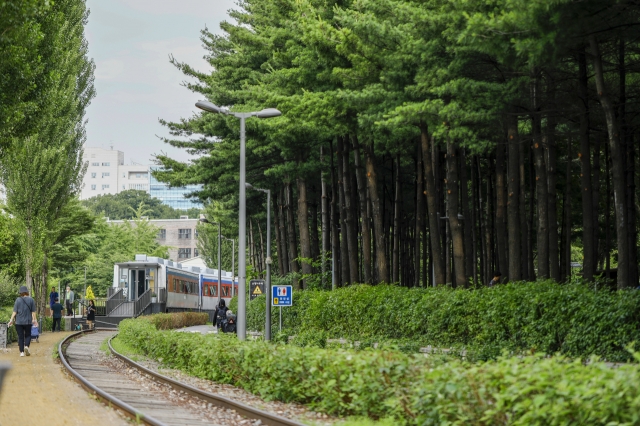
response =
{"points": [[382, 267], [476, 213], [565, 257], [276, 222], [344, 248], [434, 225], [282, 229], [303, 228], [525, 247], [262, 257], [452, 211], [466, 209], [530, 222], [325, 222], [313, 228], [501, 212], [291, 234], [350, 223], [596, 201], [586, 190], [395, 259], [542, 234], [335, 224], [513, 203], [618, 169], [419, 217], [552, 182], [364, 212]]}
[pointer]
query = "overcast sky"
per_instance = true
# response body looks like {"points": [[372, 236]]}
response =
{"points": [[130, 42]]}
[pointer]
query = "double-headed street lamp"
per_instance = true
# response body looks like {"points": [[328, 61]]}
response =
{"points": [[242, 237], [267, 324], [204, 220]]}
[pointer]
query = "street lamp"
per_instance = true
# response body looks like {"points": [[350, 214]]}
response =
{"points": [[267, 326], [204, 220], [242, 222], [233, 264]]}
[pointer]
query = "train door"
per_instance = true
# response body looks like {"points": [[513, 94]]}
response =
{"points": [[137, 284]]}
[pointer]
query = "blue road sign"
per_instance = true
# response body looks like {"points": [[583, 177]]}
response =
{"points": [[282, 295]]}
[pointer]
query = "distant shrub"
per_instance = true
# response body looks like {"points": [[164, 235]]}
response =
{"points": [[8, 289], [177, 320], [544, 316]]}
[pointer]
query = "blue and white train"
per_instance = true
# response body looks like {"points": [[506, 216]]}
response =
{"points": [[181, 287]]}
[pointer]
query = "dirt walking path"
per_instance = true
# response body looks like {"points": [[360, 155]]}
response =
{"points": [[37, 391]]}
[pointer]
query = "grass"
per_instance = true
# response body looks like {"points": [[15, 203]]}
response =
{"points": [[124, 349]]}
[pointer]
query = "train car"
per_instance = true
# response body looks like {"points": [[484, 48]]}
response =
{"points": [[178, 287]]}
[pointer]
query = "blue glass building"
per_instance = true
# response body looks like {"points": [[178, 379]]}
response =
{"points": [[173, 196]]}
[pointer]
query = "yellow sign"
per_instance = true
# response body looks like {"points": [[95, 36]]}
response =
{"points": [[257, 291], [275, 300]]}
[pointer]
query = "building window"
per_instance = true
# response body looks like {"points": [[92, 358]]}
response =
{"points": [[184, 234], [195, 252], [95, 164], [93, 187], [93, 156], [184, 253], [162, 234], [93, 175], [105, 186], [138, 186], [106, 164], [105, 174], [123, 187], [138, 175]]}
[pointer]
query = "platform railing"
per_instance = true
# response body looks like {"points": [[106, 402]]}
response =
{"points": [[141, 303], [115, 300]]}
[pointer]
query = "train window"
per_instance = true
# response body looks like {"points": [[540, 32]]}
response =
{"points": [[214, 290], [181, 286], [225, 291], [206, 290], [175, 284]]}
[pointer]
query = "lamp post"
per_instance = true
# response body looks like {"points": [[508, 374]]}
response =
{"points": [[233, 264], [267, 324], [242, 221], [204, 220]]}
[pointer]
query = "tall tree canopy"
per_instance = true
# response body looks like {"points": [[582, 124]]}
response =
{"points": [[427, 142]]}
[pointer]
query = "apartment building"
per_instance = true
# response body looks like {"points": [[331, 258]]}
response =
{"points": [[179, 235], [107, 174]]}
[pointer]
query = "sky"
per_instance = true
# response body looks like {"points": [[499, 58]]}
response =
{"points": [[130, 42]]}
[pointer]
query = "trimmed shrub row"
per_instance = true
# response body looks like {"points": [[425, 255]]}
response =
{"points": [[177, 320], [411, 389], [546, 317]]}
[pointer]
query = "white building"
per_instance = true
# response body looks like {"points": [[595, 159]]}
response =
{"points": [[102, 172], [107, 174]]}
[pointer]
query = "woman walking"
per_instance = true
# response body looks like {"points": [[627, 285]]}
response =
{"points": [[91, 314], [24, 314]]}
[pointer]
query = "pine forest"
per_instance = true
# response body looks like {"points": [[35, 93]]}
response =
{"points": [[425, 142]]}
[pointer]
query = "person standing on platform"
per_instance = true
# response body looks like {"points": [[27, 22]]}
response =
{"points": [[68, 298], [91, 314], [56, 314], [53, 296], [24, 316]]}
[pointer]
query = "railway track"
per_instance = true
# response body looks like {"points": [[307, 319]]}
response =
{"points": [[158, 400]]}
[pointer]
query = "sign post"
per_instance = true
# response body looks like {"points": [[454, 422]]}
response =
{"points": [[282, 296], [256, 288]]}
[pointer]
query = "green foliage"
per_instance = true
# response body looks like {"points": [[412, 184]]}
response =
{"points": [[175, 320], [9, 286], [544, 317], [411, 389], [119, 206]]}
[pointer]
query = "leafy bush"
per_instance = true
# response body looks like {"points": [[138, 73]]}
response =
{"points": [[9, 286], [411, 389], [177, 320], [542, 317]]}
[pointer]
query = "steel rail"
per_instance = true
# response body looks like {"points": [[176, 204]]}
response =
{"points": [[89, 387], [220, 401]]}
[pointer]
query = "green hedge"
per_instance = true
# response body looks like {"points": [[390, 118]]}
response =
{"points": [[542, 317], [177, 320], [411, 389]]}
